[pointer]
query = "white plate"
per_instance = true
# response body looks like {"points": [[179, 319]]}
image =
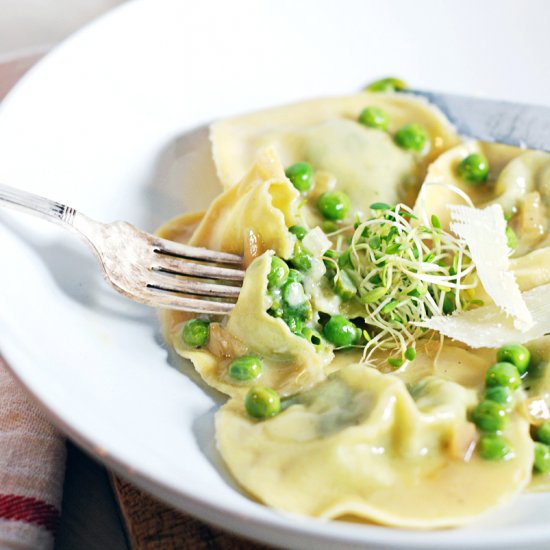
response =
{"points": [[103, 124]]}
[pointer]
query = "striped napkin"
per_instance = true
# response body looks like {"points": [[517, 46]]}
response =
{"points": [[32, 464], [32, 452]]}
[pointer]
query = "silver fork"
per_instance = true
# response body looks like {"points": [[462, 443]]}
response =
{"points": [[141, 266]]}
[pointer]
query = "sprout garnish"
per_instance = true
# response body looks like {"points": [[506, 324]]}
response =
{"points": [[404, 272]]}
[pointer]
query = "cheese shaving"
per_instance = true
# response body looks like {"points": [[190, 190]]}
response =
{"points": [[316, 242], [484, 231], [489, 327]]}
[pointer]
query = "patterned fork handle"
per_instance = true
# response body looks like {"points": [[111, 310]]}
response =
{"points": [[144, 267]]}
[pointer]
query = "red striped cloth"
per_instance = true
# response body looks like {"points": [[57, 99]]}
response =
{"points": [[32, 452], [32, 460]]}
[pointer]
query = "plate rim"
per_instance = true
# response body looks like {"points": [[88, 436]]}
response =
{"points": [[308, 529]]}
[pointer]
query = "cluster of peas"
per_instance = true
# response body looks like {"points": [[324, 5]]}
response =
{"points": [[491, 414], [260, 402], [335, 205], [473, 169], [263, 402], [291, 304]]}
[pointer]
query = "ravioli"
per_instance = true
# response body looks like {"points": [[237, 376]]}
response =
{"points": [[365, 162], [361, 407], [436, 192], [519, 182], [261, 206], [532, 269], [254, 215], [290, 363], [361, 445]]}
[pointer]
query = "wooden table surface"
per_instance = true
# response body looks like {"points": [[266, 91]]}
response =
{"points": [[90, 517]]}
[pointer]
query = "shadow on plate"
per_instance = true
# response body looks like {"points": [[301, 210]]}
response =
{"points": [[78, 276], [184, 179], [204, 431], [187, 369]]}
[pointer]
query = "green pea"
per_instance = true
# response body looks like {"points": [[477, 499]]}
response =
{"points": [[395, 362], [503, 374], [344, 286], [245, 368], [341, 332], [542, 458], [278, 273], [473, 169], [301, 175], [296, 306], [261, 402], [412, 137], [299, 230], [374, 117], [301, 259], [489, 416], [511, 238], [516, 354], [389, 84], [494, 447], [542, 433], [500, 394], [334, 205], [195, 332]]}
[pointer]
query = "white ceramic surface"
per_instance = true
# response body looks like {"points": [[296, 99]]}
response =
{"points": [[108, 123]]}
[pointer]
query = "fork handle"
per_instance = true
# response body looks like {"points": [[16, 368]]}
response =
{"points": [[36, 205]]}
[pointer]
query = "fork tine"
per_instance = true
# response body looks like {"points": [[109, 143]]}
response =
{"points": [[181, 266], [163, 246], [161, 298], [188, 286]]}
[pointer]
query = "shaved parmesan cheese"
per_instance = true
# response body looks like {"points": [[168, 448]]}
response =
{"points": [[316, 242], [484, 231], [489, 327]]}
